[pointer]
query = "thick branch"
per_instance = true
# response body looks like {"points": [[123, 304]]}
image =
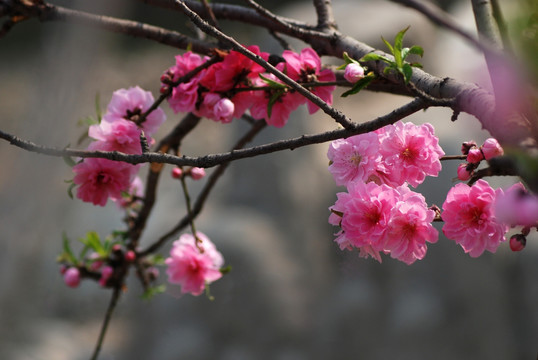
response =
{"points": [[325, 15]]}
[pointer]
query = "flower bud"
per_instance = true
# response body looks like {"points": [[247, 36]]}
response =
{"points": [[177, 173], [130, 256], [475, 156], [463, 173], [518, 242], [492, 148], [468, 145], [224, 110], [72, 277], [353, 73], [197, 173]]}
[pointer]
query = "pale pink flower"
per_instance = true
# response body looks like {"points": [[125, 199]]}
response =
{"points": [[410, 153], [121, 135], [463, 173], [72, 277], [516, 206], [306, 67], [100, 179], [129, 103], [410, 227], [353, 73], [354, 158], [491, 148], [474, 156], [193, 265], [470, 220]]}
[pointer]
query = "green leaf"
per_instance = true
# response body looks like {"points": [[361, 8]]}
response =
{"points": [[272, 84], [398, 42], [407, 72], [416, 50], [374, 57], [70, 189], [93, 241], [274, 98], [388, 45], [225, 270], [152, 291], [70, 162], [359, 85], [68, 254]]}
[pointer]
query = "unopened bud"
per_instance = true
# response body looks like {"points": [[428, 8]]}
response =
{"points": [[197, 173], [475, 156], [353, 73], [72, 277], [468, 145], [177, 173], [518, 242], [463, 173]]}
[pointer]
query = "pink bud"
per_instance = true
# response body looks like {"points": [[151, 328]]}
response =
{"points": [[466, 146], [176, 173], [130, 256], [475, 156], [517, 242], [107, 271], [72, 277], [353, 73], [492, 148], [224, 110], [197, 173], [463, 173]]}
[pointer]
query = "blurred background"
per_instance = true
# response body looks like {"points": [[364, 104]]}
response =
{"points": [[291, 294]]}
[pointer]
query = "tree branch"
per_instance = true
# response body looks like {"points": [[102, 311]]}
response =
{"points": [[325, 15]]}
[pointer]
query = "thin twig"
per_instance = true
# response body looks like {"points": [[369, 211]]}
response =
{"points": [[202, 197], [212, 31], [108, 316]]}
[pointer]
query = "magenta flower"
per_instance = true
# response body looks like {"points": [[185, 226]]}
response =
{"points": [[100, 179], [354, 159], [185, 95], [353, 73], [410, 153], [193, 265], [306, 67], [491, 148], [470, 220], [410, 227], [516, 206]]}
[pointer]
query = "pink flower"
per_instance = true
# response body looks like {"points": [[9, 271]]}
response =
{"points": [[121, 135], [216, 108], [129, 103], [193, 265], [463, 173], [475, 156], [134, 193], [470, 220], [354, 158], [197, 173], [410, 153], [365, 213], [353, 73], [410, 227], [492, 148], [184, 96], [516, 206], [100, 179], [72, 277], [306, 67]]}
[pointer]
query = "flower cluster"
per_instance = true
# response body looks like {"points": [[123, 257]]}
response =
{"points": [[229, 88], [490, 149], [379, 213], [120, 130], [393, 155], [193, 263]]}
